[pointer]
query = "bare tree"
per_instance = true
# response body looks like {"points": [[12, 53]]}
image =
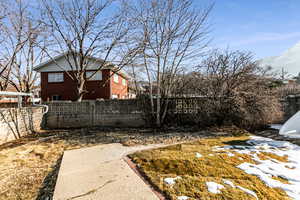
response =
{"points": [[188, 85], [21, 36], [173, 34], [283, 75], [81, 29], [238, 90], [12, 40], [2, 13], [136, 72], [225, 71]]}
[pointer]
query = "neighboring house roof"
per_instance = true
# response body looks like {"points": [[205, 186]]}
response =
{"points": [[53, 63]]}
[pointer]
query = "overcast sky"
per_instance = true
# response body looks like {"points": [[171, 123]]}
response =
{"points": [[265, 27]]}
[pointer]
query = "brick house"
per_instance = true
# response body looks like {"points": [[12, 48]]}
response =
{"points": [[56, 84]]}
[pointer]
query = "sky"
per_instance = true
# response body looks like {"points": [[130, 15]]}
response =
{"points": [[264, 27]]}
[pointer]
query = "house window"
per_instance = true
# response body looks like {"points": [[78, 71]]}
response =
{"points": [[124, 82], [116, 78], [55, 77], [56, 97], [96, 77]]}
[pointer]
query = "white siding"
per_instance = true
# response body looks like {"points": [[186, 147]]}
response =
{"points": [[63, 65]]}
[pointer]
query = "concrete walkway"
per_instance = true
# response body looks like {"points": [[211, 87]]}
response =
{"points": [[100, 172], [274, 134]]}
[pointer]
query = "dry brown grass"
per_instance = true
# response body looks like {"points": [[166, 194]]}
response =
{"points": [[23, 169], [282, 180], [29, 166], [268, 156], [180, 160]]}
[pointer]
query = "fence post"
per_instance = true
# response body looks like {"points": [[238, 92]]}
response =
{"points": [[93, 112], [19, 101]]}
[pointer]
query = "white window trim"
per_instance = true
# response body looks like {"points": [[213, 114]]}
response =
{"points": [[116, 78], [96, 77], [57, 77]]}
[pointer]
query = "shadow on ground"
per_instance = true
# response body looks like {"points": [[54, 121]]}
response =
{"points": [[47, 189]]}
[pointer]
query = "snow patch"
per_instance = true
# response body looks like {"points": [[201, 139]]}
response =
{"points": [[214, 187], [230, 154], [227, 182], [198, 155], [266, 169], [171, 181], [183, 198], [250, 192]]}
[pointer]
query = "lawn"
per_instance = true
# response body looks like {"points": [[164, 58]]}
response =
{"points": [[29, 166], [241, 167]]}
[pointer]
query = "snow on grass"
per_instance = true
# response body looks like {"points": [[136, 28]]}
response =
{"points": [[183, 198], [214, 188], [227, 182], [171, 181], [230, 154], [198, 155], [268, 168], [250, 192]]}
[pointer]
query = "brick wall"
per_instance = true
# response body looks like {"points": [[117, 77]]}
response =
{"points": [[67, 89], [112, 113], [20, 121], [117, 88]]}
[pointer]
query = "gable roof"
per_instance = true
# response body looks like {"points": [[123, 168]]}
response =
{"points": [[50, 62], [56, 58]]}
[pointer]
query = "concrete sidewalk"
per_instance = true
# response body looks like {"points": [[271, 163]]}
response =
{"points": [[100, 172]]}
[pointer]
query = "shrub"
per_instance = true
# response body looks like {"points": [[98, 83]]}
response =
{"points": [[238, 91]]}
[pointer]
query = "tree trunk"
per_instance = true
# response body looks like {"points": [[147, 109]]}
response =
{"points": [[158, 112], [80, 90], [158, 121]]}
